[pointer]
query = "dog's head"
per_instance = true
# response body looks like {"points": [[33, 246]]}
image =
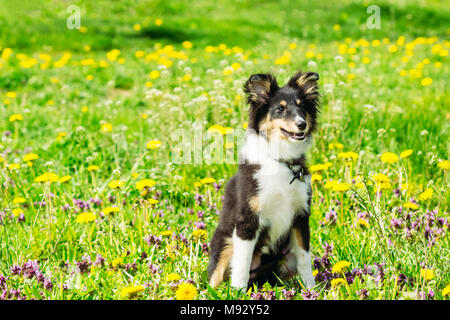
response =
{"points": [[286, 113]]}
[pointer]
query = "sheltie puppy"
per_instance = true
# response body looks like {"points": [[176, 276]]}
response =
{"points": [[263, 233]]}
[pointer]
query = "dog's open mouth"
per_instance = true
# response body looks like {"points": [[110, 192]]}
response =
{"points": [[293, 136]]}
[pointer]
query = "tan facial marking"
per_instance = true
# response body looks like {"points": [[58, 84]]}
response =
{"points": [[254, 204], [297, 101], [283, 103], [273, 127], [308, 121], [221, 271]]}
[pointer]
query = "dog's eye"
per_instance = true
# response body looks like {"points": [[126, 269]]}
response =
{"points": [[280, 109]]}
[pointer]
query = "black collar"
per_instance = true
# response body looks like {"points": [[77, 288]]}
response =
{"points": [[297, 174]]}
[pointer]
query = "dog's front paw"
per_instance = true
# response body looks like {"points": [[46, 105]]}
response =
{"points": [[310, 283], [239, 282]]}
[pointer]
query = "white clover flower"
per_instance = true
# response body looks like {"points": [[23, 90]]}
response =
{"points": [[312, 64]]}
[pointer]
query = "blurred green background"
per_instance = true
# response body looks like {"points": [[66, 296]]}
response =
{"points": [[29, 24]]}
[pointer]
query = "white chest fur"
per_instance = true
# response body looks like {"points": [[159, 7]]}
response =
{"points": [[279, 201]]}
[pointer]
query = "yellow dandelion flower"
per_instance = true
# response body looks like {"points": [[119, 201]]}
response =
{"points": [[92, 168], [137, 27], [406, 153], [207, 180], [154, 144], [236, 66], [145, 183], [131, 291], [30, 157], [112, 55], [152, 201], [336, 27], [166, 233], [410, 205], [109, 210], [340, 266], [336, 145], [380, 178], [320, 167], [16, 212], [427, 274], [187, 44], [116, 184], [330, 184], [381, 181], [348, 156], [19, 200], [283, 60], [363, 223], [426, 82], [228, 71], [340, 187], [117, 262], [200, 234], [47, 177], [393, 48], [65, 179], [197, 184], [158, 22], [444, 164], [11, 94], [154, 74], [139, 54], [337, 282], [426, 194], [186, 291], [85, 217], [106, 127], [309, 54], [389, 157], [316, 177], [446, 290], [220, 129], [13, 166], [15, 117], [173, 277]]}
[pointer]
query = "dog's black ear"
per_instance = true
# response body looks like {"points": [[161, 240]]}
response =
{"points": [[306, 82], [259, 88]]}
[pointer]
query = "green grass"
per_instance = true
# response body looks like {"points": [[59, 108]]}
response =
{"points": [[370, 108]]}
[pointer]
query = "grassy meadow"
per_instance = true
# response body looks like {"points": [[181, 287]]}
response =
{"points": [[93, 207]]}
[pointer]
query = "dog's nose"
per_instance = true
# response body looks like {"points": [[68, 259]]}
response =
{"points": [[301, 124]]}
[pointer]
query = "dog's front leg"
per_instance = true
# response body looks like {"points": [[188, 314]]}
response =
{"points": [[300, 248], [241, 259]]}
